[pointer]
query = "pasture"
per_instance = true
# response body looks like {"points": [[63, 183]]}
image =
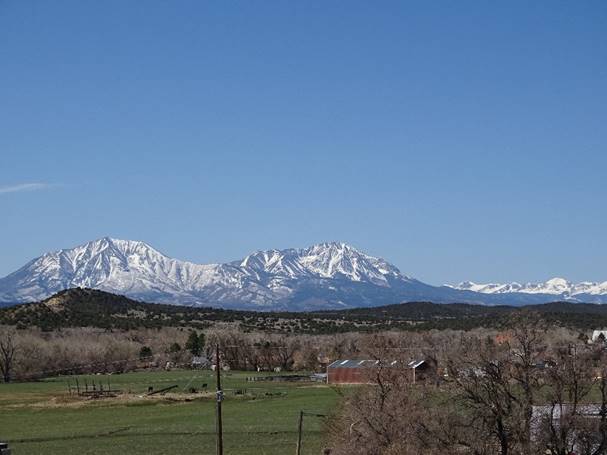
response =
{"points": [[259, 417]]}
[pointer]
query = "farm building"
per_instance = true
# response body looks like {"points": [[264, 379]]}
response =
{"points": [[599, 335], [504, 337], [362, 371], [200, 362], [421, 370], [550, 418], [350, 371]]}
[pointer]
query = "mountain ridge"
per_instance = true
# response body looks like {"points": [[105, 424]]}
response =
{"points": [[311, 277], [330, 275], [554, 286]]}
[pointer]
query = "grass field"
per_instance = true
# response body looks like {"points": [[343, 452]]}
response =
{"points": [[42, 417]]}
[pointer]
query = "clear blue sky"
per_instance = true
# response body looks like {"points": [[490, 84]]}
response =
{"points": [[458, 140]]}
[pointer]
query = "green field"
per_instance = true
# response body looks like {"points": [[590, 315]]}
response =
{"points": [[42, 417]]}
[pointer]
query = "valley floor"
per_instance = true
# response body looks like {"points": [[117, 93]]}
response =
{"points": [[259, 417]]}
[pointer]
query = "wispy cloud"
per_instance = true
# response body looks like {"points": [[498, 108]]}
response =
{"points": [[21, 187]]}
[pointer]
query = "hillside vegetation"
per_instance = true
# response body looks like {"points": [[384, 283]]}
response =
{"points": [[93, 308]]}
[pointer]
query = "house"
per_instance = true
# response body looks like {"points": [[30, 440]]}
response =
{"points": [[544, 364], [420, 370], [588, 417], [503, 337], [200, 362], [355, 371], [599, 335]]}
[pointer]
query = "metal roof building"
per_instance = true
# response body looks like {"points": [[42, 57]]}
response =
{"points": [[350, 371], [353, 371]]}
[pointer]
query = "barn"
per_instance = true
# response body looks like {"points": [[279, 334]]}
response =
{"points": [[356, 371], [350, 371], [599, 335], [421, 370]]}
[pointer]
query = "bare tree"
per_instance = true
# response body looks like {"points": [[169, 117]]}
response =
{"points": [[497, 383], [484, 386], [568, 423], [8, 350], [286, 350], [380, 418], [527, 349], [601, 446]]}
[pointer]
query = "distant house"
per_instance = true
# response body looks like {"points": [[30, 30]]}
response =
{"points": [[544, 417], [355, 371], [503, 337], [200, 362], [599, 335], [544, 364], [421, 370]]}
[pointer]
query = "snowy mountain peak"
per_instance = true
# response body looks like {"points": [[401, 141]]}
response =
{"points": [[324, 260], [322, 276], [105, 246], [113, 244], [135, 269], [556, 281], [554, 286]]}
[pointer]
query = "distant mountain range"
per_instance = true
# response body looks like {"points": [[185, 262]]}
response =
{"points": [[324, 276], [555, 286]]}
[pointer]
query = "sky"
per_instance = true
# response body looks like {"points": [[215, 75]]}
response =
{"points": [[458, 140]]}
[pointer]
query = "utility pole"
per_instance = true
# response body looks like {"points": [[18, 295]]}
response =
{"points": [[301, 414], [219, 394]]}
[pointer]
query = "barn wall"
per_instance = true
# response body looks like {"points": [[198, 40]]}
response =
{"points": [[347, 376], [338, 375]]}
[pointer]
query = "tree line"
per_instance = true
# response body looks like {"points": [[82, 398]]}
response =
{"points": [[527, 392]]}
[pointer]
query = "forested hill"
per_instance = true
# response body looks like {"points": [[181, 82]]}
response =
{"points": [[93, 308]]}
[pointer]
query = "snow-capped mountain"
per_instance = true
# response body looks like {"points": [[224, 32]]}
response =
{"points": [[554, 286], [323, 276]]}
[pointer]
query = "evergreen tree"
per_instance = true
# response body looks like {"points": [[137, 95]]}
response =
{"points": [[145, 353], [193, 344]]}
